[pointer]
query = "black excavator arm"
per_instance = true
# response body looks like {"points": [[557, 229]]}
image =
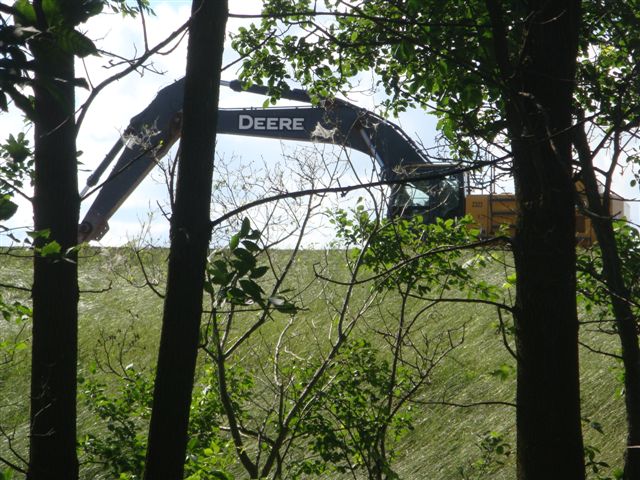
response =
{"points": [[153, 131]]}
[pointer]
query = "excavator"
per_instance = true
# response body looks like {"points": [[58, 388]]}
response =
{"points": [[422, 187], [437, 191]]}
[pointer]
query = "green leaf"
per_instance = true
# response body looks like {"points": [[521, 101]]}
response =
{"points": [[220, 475], [50, 249], [233, 243], [7, 474], [218, 272], [219, 278], [17, 148], [254, 235], [26, 11], [236, 296], [503, 372], [218, 265], [259, 272], [7, 207], [252, 289], [597, 426], [44, 233], [251, 246], [74, 42], [245, 228], [85, 10], [247, 261]]}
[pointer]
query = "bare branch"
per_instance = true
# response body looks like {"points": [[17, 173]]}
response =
{"points": [[343, 190], [133, 65], [466, 405], [600, 352]]}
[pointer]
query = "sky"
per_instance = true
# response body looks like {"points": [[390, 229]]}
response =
{"points": [[110, 113]]}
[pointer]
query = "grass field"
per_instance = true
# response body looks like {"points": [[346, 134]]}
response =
{"points": [[118, 310]]}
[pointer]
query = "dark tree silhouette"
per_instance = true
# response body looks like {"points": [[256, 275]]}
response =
{"points": [[55, 284], [190, 235]]}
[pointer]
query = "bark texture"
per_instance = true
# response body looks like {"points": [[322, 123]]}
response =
{"points": [[540, 88], [190, 235], [52, 453], [626, 326], [548, 393]]}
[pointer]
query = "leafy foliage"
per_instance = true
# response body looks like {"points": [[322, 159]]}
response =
{"points": [[494, 454], [417, 261], [591, 282], [608, 80], [16, 164], [50, 26], [439, 52], [429, 259], [350, 421], [120, 445], [16, 316], [233, 273], [596, 468]]}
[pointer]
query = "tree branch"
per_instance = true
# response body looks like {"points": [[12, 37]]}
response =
{"points": [[134, 65], [350, 188]]}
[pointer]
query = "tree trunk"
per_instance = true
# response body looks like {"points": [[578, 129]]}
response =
{"points": [[538, 104], [190, 235], [548, 392], [56, 204], [619, 294], [628, 334]]}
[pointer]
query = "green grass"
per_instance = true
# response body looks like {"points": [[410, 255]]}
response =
{"points": [[118, 313]]}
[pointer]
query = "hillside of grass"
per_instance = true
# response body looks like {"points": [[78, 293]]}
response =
{"points": [[455, 418]]}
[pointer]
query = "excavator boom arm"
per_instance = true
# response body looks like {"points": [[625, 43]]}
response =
{"points": [[153, 131]]}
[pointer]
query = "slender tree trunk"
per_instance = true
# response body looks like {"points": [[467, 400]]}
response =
{"points": [[619, 293], [56, 204], [190, 235], [628, 334], [548, 392], [539, 100]]}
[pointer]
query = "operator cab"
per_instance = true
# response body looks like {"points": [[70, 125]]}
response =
{"points": [[439, 197]]}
